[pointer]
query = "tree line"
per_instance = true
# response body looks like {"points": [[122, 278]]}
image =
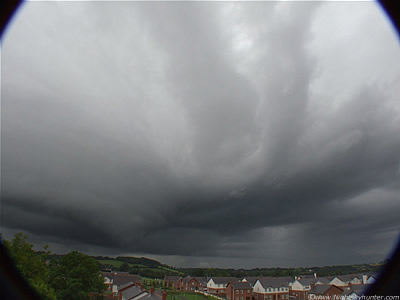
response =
{"points": [[71, 276]]}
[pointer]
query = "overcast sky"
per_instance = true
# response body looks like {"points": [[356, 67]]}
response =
{"points": [[226, 134]]}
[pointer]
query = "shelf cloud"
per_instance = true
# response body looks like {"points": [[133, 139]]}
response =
{"points": [[232, 134]]}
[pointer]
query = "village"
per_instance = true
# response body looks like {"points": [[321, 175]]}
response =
{"points": [[124, 286]]}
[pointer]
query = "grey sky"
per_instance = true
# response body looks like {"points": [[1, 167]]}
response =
{"points": [[231, 134]]}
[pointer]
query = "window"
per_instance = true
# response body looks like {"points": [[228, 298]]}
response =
{"points": [[237, 291], [241, 291]]}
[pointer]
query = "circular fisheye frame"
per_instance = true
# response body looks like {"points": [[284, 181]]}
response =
{"points": [[215, 151]]}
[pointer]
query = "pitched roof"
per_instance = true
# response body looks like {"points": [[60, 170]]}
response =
{"points": [[154, 296], [322, 288], [323, 280], [251, 280], [224, 280], [307, 281], [188, 278], [241, 285], [275, 282], [107, 274], [306, 276], [172, 278], [125, 285], [198, 279], [375, 275], [359, 289], [132, 292], [349, 277], [201, 279], [122, 278]]}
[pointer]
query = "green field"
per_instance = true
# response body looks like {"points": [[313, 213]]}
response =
{"points": [[118, 263], [171, 270], [187, 296], [113, 262]]}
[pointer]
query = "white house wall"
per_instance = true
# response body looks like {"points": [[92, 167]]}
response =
{"points": [[258, 288], [337, 282], [356, 281], [371, 280], [297, 286], [211, 284]]}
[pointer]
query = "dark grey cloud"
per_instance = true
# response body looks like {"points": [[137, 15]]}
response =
{"points": [[220, 133]]}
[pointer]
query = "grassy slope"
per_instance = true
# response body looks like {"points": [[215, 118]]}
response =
{"points": [[148, 266], [188, 296], [159, 269]]}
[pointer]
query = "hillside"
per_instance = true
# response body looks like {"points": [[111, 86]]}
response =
{"points": [[143, 266], [154, 269]]}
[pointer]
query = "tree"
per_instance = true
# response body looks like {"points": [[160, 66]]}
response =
{"points": [[124, 267], [75, 275], [31, 264]]}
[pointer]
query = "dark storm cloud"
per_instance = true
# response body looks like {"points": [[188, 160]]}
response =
{"points": [[234, 134]]}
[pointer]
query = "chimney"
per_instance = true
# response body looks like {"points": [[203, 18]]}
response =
{"points": [[315, 275], [364, 279], [152, 290], [164, 295]]}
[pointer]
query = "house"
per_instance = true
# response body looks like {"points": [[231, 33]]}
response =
{"points": [[240, 290], [171, 281], [300, 286], [325, 291], [136, 293], [113, 281], [251, 280], [304, 276], [351, 279], [370, 278], [130, 291], [217, 285], [335, 280], [154, 296], [323, 280], [202, 283], [191, 284], [354, 292], [272, 288]]}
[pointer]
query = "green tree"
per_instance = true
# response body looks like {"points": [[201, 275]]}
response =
{"points": [[31, 264], [124, 267], [75, 275]]}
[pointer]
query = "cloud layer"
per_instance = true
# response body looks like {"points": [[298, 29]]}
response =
{"points": [[203, 133]]}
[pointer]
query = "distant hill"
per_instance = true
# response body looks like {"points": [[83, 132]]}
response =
{"points": [[143, 266], [151, 268], [280, 272]]}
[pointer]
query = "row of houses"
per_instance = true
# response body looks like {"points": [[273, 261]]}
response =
{"points": [[274, 288], [188, 284], [124, 286]]}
